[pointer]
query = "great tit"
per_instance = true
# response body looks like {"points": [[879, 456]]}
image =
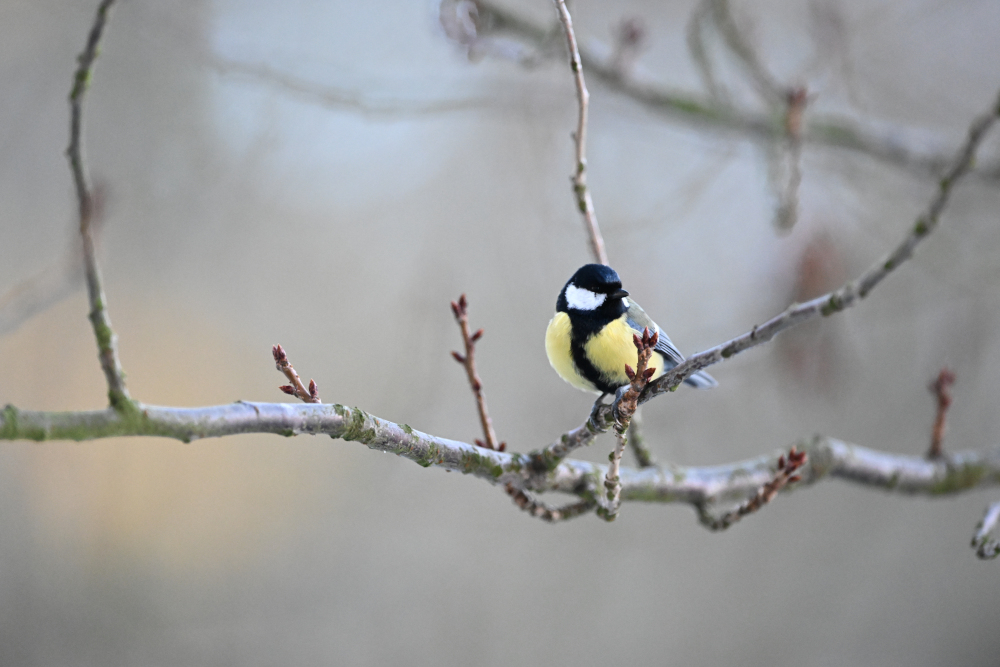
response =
{"points": [[589, 340]]}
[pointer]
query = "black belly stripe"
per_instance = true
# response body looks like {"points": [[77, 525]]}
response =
{"points": [[582, 330], [587, 369]]}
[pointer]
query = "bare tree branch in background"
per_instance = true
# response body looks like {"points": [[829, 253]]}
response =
{"points": [[55, 282], [340, 98], [493, 21], [579, 178], [42, 291], [852, 292]]}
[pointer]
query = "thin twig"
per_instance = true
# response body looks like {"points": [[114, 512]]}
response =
{"points": [[783, 476], [623, 409], [763, 81], [56, 281], [986, 548], [849, 294], [637, 441], [697, 48], [940, 388], [579, 178], [544, 511], [785, 160], [789, 169], [296, 389], [107, 340], [461, 311], [629, 38]]}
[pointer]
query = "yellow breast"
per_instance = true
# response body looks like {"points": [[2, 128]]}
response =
{"points": [[608, 350], [557, 341], [612, 347]]}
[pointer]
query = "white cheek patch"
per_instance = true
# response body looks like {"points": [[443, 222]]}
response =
{"points": [[625, 301], [578, 298]]}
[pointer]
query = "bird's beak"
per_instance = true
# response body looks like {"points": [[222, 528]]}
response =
{"points": [[619, 294]]}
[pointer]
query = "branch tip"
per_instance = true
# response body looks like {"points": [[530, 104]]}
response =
{"points": [[296, 389], [940, 387], [468, 360]]}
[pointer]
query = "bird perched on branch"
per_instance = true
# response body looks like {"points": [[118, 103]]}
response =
{"points": [[589, 341]]}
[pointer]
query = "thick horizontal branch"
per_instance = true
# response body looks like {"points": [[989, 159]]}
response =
{"points": [[698, 486]]}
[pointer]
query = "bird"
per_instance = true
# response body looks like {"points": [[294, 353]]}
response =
{"points": [[589, 340]]}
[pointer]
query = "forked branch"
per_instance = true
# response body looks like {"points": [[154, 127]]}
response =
{"points": [[296, 389]]}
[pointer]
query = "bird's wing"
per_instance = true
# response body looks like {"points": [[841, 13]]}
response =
{"points": [[638, 320]]}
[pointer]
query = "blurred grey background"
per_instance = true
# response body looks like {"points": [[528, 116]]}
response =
{"points": [[328, 176]]}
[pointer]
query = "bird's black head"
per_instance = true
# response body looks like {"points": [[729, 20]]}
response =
{"points": [[594, 289]]}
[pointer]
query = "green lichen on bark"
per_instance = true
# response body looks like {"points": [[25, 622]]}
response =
{"points": [[959, 478], [357, 427], [474, 462]]}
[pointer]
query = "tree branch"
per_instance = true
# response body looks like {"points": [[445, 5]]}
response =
{"points": [[296, 388], [696, 486], [986, 548], [783, 476], [623, 409], [579, 178], [713, 112], [942, 396], [107, 340], [852, 292], [461, 312]]}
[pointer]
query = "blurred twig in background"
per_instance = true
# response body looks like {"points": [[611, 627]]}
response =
{"points": [[493, 21], [855, 290]]}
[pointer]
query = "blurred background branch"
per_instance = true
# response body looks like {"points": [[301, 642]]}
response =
{"points": [[491, 21]]}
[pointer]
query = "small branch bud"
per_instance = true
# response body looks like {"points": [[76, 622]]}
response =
{"points": [[296, 389]]}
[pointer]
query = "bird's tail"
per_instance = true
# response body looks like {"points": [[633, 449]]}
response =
{"points": [[701, 380]]}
